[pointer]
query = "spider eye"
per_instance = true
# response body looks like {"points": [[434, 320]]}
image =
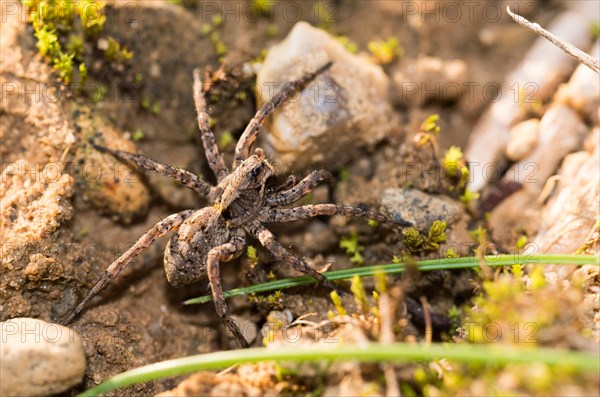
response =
{"points": [[256, 171]]}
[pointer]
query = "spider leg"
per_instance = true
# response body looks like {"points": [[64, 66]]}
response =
{"points": [[289, 183], [242, 149], [269, 241], [187, 178], [215, 161], [171, 222], [295, 193], [312, 210], [224, 253]]}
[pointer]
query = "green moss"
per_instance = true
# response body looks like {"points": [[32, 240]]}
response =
{"points": [[63, 64], [92, 15], [521, 242], [241, 96], [63, 29], [217, 20], [115, 52], [75, 46], [275, 300], [47, 43], [360, 296], [137, 135], [150, 106], [155, 108], [348, 44], [436, 236], [468, 196], [431, 124], [344, 174], [479, 235], [337, 302], [350, 244], [380, 282], [428, 131], [225, 139], [99, 94], [215, 37], [412, 239], [415, 242], [452, 161], [520, 309], [252, 255], [456, 170], [385, 52], [263, 6], [206, 28], [451, 253]]}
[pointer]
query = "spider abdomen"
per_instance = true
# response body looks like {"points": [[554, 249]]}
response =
{"points": [[186, 252]]}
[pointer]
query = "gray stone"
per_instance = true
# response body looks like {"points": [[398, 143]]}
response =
{"points": [[344, 109], [418, 208], [39, 358]]}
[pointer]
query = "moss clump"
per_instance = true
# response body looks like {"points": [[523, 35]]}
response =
{"points": [[63, 28], [428, 131], [415, 242], [116, 52], [339, 306], [384, 52], [212, 29], [518, 308], [350, 244]]}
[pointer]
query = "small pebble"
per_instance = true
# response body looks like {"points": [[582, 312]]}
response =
{"points": [[523, 139], [39, 358], [428, 79], [248, 328], [418, 208]]}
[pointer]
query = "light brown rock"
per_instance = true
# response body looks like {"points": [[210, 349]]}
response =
{"points": [[523, 139], [429, 79], [39, 358], [344, 109]]}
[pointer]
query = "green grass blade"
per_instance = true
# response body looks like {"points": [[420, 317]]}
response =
{"points": [[393, 268], [375, 352]]}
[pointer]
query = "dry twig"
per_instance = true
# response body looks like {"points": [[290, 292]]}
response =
{"points": [[570, 49]]}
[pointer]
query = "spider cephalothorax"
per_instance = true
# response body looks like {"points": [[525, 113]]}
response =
{"points": [[241, 203]]}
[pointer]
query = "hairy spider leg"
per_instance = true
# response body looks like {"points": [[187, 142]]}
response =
{"points": [[242, 149], [185, 177], [312, 210], [211, 150], [168, 224], [224, 253], [295, 193], [269, 241]]}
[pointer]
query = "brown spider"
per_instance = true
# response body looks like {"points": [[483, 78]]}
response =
{"points": [[241, 205]]}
